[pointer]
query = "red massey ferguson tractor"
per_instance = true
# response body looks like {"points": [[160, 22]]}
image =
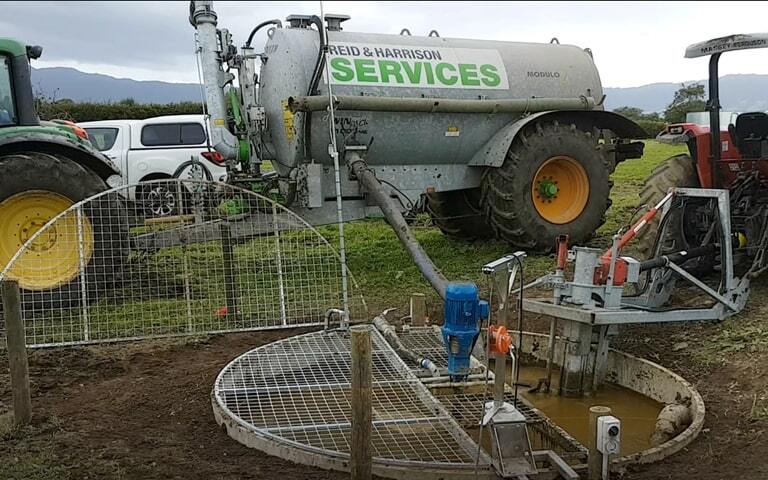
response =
{"points": [[732, 156]]}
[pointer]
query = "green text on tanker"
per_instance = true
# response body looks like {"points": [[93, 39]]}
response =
{"points": [[417, 73]]}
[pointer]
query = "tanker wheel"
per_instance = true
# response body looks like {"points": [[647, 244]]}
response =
{"points": [[458, 214], [555, 180], [35, 187], [676, 171]]}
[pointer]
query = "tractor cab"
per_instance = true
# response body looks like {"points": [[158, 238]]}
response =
{"points": [[721, 152], [16, 100]]}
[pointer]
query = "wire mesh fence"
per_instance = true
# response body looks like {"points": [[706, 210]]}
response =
{"points": [[172, 257]]}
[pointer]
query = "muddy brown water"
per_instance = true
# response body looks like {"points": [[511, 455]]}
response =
{"points": [[636, 412]]}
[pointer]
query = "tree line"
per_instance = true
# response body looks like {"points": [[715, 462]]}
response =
{"points": [[688, 98]]}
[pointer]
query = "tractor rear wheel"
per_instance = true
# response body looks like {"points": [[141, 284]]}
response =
{"points": [[34, 188], [676, 171], [457, 214], [555, 180]]}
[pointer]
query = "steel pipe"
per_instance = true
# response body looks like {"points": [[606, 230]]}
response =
{"points": [[368, 180], [390, 334], [438, 105]]}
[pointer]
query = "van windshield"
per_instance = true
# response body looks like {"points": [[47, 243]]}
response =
{"points": [[102, 138], [7, 110]]}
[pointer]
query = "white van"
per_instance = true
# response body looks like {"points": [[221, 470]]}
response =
{"points": [[157, 148]]}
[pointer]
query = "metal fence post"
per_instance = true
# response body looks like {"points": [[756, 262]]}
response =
{"points": [[230, 287], [361, 454], [187, 287], [280, 279], [83, 280], [17, 351]]}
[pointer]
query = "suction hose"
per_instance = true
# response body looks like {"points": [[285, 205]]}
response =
{"points": [[389, 333], [391, 210]]}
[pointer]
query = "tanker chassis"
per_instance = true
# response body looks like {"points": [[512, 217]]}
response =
{"points": [[491, 138]]}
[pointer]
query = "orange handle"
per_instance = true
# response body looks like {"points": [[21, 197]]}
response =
{"points": [[499, 340]]}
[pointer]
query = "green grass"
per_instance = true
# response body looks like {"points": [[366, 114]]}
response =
{"points": [[22, 461], [746, 332]]}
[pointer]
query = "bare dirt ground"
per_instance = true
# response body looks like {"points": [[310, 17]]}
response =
{"points": [[137, 411], [142, 411], [734, 442]]}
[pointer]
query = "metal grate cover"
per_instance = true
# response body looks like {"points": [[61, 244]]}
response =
{"points": [[296, 391]]}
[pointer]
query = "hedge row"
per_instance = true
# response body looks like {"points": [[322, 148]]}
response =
{"points": [[652, 127], [88, 112]]}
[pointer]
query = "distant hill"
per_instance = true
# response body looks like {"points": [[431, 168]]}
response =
{"points": [[60, 83], [737, 92]]}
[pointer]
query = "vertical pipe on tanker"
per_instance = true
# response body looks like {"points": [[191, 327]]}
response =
{"points": [[203, 18]]}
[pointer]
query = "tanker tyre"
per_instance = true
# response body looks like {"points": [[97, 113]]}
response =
{"points": [[554, 180], [36, 186], [676, 171], [458, 214]]}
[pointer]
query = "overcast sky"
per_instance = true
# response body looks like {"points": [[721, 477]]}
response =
{"points": [[634, 43]]}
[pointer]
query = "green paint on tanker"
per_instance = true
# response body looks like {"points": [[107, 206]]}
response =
{"points": [[406, 73], [408, 66], [14, 48]]}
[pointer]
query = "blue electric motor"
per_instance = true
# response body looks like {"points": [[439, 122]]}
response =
{"points": [[463, 312]]}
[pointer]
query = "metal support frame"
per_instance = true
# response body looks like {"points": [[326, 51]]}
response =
{"points": [[639, 310], [574, 302]]}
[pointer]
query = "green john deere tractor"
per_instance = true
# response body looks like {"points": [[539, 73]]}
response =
{"points": [[46, 167]]}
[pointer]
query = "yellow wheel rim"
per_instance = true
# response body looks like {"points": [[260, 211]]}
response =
{"points": [[560, 189], [54, 257]]}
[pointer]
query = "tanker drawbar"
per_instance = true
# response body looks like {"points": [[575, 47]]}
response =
{"points": [[491, 138]]}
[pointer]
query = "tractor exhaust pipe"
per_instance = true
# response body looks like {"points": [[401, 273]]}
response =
{"points": [[368, 180]]}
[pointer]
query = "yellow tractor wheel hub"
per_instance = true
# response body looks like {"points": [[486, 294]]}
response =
{"points": [[560, 190], [54, 257]]}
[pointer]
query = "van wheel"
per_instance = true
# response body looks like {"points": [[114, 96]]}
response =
{"points": [[158, 199]]}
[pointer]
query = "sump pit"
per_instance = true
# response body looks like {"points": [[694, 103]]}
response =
{"points": [[290, 398]]}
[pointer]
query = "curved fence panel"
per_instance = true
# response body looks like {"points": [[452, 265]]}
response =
{"points": [[173, 257]]}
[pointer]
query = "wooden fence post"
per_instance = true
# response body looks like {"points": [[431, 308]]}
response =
{"points": [[17, 352], [361, 452], [418, 309]]}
